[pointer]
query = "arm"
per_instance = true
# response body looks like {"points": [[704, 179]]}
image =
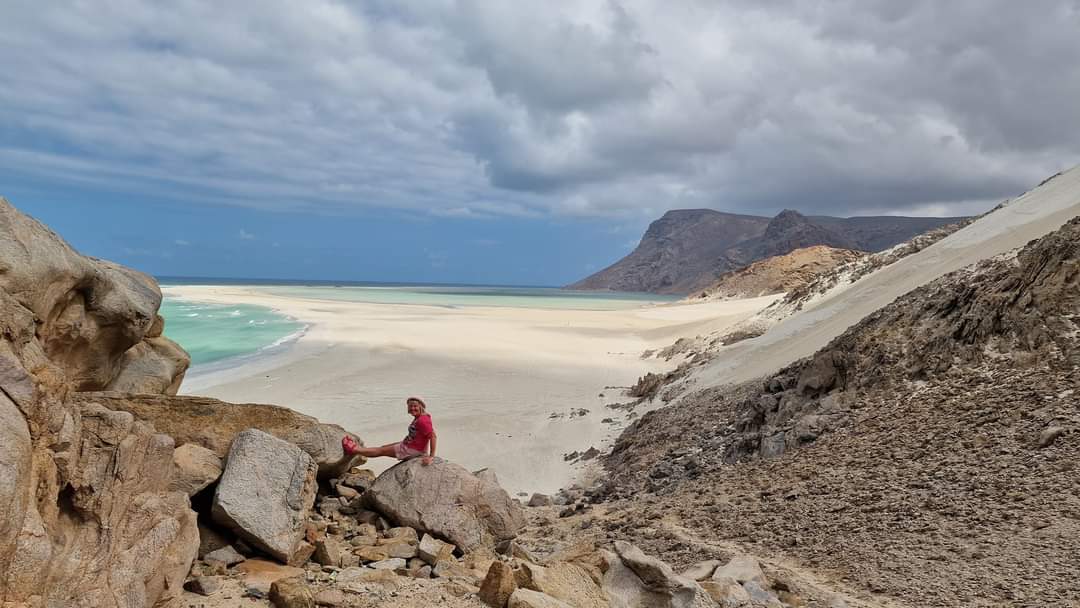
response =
{"points": [[431, 449]]}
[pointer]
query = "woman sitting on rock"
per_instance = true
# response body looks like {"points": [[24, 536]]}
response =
{"points": [[419, 442]]}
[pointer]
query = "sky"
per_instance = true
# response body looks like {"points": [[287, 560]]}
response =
{"points": [[524, 142]]}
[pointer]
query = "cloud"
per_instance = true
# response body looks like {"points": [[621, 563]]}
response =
{"points": [[246, 236], [582, 108], [181, 242]]}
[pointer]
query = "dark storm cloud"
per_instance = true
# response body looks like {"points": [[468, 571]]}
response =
{"points": [[473, 109]]}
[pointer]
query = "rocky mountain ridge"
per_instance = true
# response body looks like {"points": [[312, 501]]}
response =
{"points": [[688, 250]]}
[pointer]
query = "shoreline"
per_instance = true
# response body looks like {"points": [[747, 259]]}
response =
{"points": [[501, 382]]}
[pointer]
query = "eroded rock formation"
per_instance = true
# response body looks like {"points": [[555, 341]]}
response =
{"points": [[86, 517]]}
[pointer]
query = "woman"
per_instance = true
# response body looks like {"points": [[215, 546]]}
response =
{"points": [[419, 442]]}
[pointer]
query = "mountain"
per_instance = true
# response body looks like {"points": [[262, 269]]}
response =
{"points": [[688, 250]]}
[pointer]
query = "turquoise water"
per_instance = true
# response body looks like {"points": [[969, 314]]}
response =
{"points": [[215, 332], [222, 333]]}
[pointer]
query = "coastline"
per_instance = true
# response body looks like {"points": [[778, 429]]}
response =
{"points": [[501, 382]]}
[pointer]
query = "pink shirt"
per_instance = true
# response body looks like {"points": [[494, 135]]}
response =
{"points": [[420, 432]]}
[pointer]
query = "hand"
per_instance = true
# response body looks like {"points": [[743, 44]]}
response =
{"points": [[348, 444], [426, 460]]}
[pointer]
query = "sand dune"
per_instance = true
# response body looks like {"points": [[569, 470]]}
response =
{"points": [[1036, 213]]}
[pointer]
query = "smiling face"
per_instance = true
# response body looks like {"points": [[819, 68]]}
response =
{"points": [[415, 407]]}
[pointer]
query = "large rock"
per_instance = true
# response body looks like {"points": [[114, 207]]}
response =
{"points": [[266, 493], [155, 365], [568, 582], [89, 311], [636, 580], [446, 501], [86, 517], [213, 424], [194, 468]]}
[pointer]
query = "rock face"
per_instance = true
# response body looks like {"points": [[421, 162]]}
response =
{"points": [[86, 517], [213, 424], [447, 501], [687, 250], [266, 493]]}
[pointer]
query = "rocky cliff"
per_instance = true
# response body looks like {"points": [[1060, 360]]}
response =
{"points": [[688, 250], [86, 518]]}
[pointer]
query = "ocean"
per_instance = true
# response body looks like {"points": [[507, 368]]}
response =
{"points": [[217, 335]]}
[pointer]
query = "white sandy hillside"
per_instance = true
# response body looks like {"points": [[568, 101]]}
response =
{"points": [[1030, 216]]}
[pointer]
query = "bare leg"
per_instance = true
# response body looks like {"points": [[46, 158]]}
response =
{"points": [[385, 450]]}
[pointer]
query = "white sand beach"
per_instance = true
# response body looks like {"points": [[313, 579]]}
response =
{"points": [[501, 382]]}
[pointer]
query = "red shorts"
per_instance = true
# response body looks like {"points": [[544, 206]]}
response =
{"points": [[403, 452]]}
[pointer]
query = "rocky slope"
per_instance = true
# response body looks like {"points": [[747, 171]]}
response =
{"points": [[777, 274], [688, 250], [925, 457]]}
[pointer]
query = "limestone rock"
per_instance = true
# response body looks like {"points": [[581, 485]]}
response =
{"points": [[635, 579], [498, 585], [394, 563], [567, 582], [743, 569], [194, 468], [727, 592], [266, 492], [760, 596], [433, 550], [213, 424], [445, 500], [527, 598], [228, 556], [291, 593], [155, 365]]}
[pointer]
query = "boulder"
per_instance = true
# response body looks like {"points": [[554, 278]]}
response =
{"points": [[433, 550], [570, 583], [634, 579], [446, 501], [394, 563], [291, 593], [527, 598], [266, 493], [227, 556], [155, 365], [194, 468], [743, 569], [213, 424], [498, 585]]}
